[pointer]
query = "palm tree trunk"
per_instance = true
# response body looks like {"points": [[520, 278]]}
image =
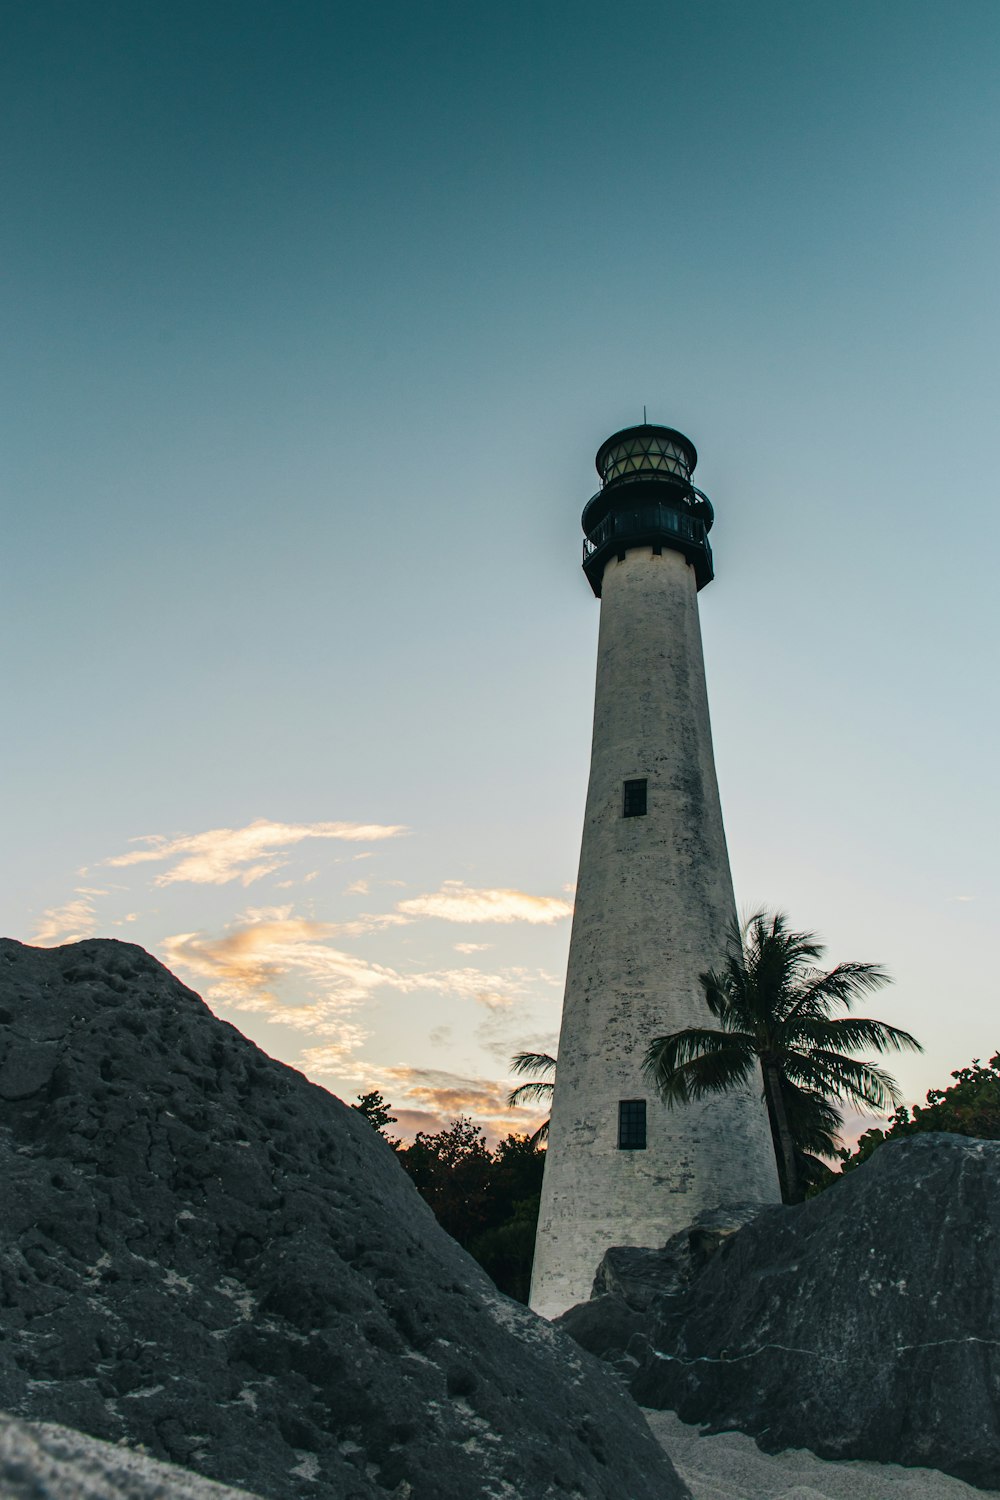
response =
{"points": [[784, 1146]]}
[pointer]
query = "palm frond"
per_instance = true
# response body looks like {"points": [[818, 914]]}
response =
{"points": [[860, 1082], [532, 1093], [692, 1063], [770, 945], [532, 1062], [854, 1033], [717, 987], [765, 966], [814, 1120], [840, 987]]}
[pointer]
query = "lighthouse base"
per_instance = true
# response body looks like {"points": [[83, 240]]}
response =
{"points": [[701, 1156]]}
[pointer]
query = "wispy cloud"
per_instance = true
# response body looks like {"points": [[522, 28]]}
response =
{"points": [[457, 902], [472, 947], [495, 991], [333, 1058], [70, 923], [245, 966], [220, 855], [252, 914], [372, 922]]}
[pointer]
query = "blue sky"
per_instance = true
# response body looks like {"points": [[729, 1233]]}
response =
{"points": [[315, 316]]}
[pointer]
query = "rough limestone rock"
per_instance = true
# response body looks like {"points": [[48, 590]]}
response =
{"points": [[631, 1281], [204, 1254], [862, 1324], [641, 1276], [41, 1461]]}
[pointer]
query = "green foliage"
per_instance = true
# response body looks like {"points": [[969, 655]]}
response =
{"points": [[486, 1200], [971, 1106]]}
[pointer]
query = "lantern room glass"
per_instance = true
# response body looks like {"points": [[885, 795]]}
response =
{"points": [[646, 454]]}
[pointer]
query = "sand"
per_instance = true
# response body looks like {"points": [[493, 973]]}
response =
{"points": [[730, 1466]]}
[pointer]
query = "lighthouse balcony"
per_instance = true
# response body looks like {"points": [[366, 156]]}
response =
{"points": [[650, 525]]}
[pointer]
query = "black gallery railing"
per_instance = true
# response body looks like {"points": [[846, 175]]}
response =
{"points": [[644, 521]]}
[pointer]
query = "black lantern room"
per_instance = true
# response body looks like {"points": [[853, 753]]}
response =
{"points": [[647, 499]]}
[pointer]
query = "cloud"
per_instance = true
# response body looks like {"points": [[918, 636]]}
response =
{"points": [[253, 914], [472, 947], [492, 990], [457, 902], [333, 1057], [248, 967], [373, 922], [430, 1098], [70, 923], [357, 888], [220, 855], [447, 1094]]}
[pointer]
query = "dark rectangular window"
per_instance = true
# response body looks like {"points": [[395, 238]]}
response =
{"points": [[634, 800], [632, 1125]]}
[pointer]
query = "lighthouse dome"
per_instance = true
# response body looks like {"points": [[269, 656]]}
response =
{"points": [[645, 452]]}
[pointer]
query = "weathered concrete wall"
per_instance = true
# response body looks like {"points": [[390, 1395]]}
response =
{"points": [[654, 901]]}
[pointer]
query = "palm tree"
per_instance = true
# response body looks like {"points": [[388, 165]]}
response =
{"points": [[775, 1008], [539, 1088]]}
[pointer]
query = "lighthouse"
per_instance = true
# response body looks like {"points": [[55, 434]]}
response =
{"points": [[654, 902]]}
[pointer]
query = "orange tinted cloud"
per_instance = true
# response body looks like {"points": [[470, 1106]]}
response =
{"points": [[248, 967], [430, 1099]]}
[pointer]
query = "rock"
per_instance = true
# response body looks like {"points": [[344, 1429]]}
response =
{"points": [[610, 1329], [640, 1276], [630, 1282], [41, 1461], [204, 1254], [862, 1324]]}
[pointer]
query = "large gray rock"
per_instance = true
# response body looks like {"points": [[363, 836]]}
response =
{"points": [[42, 1461], [205, 1254], [862, 1324]]}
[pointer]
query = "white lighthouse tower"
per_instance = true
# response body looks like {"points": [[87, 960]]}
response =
{"points": [[654, 897]]}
